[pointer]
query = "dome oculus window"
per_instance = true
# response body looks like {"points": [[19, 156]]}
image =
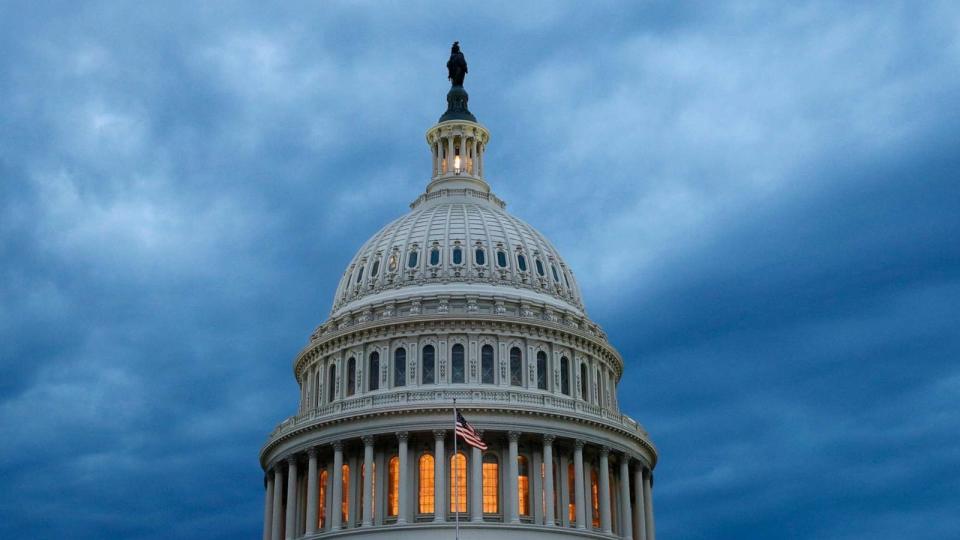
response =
{"points": [[540, 268], [521, 262], [412, 259], [457, 256], [434, 256], [501, 259], [480, 256]]}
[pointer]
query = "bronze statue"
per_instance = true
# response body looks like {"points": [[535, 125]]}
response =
{"points": [[457, 65]]}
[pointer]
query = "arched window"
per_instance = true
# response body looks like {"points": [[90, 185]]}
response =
{"points": [[556, 277], [486, 364], [457, 256], [412, 259], [458, 483], [566, 280], [491, 484], [501, 259], [360, 274], [584, 382], [572, 490], [523, 485], [322, 500], [375, 269], [393, 486], [332, 384], [373, 372], [435, 256], [456, 362], [516, 367], [400, 367], [542, 370], [345, 499], [539, 267], [392, 263], [599, 392], [351, 376], [565, 375], [594, 498], [426, 485], [480, 256], [429, 364], [521, 262]]}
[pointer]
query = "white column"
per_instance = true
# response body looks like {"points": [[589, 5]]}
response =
{"points": [[475, 163], [268, 507], [276, 522], [367, 481], [450, 153], [550, 517], [480, 152], [312, 492], [336, 495], [578, 484], [476, 485], [564, 489], [514, 490], [402, 437], [648, 499], [439, 477], [604, 474], [639, 507], [291, 525], [627, 516]]}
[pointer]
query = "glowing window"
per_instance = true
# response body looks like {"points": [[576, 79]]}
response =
{"points": [[393, 486], [491, 484], [501, 259], [351, 376], [523, 485], [426, 484], [400, 367], [429, 364], [486, 364], [540, 268], [572, 490], [434, 256], [521, 262], [456, 362], [392, 263], [322, 500], [412, 259], [594, 498], [480, 256], [375, 269], [458, 483], [565, 375], [345, 499], [373, 373], [542, 370], [516, 367], [332, 383], [457, 255]]}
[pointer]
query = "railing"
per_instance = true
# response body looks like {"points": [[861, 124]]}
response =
{"points": [[466, 396]]}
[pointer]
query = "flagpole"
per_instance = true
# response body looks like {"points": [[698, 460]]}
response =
{"points": [[456, 474]]}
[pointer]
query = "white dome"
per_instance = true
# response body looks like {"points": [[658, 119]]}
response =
{"points": [[457, 241]]}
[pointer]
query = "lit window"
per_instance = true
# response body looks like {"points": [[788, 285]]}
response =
{"points": [[594, 498], [393, 486], [516, 367], [486, 364], [434, 256], [373, 373], [540, 267], [426, 484], [456, 361], [521, 262], [400, 367], [359, 274], [428, 364], [332, 383], [412, 259], [392, 263], [375, 268], [480, 256], [457, 255], [351, 376], [501, 259], [565, 375], [491, 486], [345, 500], [458, 483], [542, 370], [322, 500], [523, 485]]}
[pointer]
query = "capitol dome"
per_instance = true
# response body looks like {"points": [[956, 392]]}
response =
{"points": [[458, 308]]}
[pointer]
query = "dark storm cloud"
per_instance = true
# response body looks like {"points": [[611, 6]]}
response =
{"points": [[759, 202]]}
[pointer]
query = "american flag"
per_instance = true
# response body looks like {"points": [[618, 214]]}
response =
{"points": [[469, 434]]}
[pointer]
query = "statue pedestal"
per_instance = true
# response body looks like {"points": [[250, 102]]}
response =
{"points": [[457, 106]]}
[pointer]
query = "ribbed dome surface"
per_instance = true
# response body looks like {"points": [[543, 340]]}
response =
{"points": [[457, 237]]}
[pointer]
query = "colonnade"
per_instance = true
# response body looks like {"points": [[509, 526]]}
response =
{"points": [[328, 488], [469, 147]]}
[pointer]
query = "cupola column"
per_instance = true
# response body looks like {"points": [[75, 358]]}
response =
{"points": [[268, 507], [312, 492], [549, 519], [368, 479], [578, 484], [605, 524], [514, 491], [404, 506], [475, 158], [439, 476], [625, 512], [449, 167], [291, 525]]}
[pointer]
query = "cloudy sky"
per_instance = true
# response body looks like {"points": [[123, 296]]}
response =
{"points": [[761, 202]]}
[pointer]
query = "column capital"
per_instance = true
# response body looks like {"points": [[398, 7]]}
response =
{"points": [[291, 460], [402, 436], [513, 436], [367, 440], [604, 451], [337, 445], [439, 434], [579, 444], [313, 451], [548, 440]]}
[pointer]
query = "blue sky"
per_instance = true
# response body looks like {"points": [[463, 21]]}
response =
{"points": [[761, 202]]}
